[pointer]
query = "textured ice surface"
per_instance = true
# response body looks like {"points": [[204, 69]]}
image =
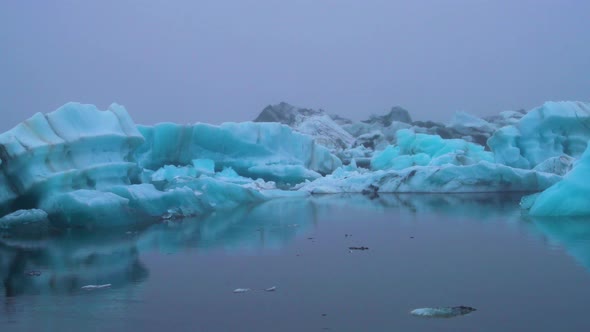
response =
{"points": [[267, 150], [26, 222], [569, 197], [481, 177], [77, 146], [552, 130], [557, 165], [413, 149], [90, 168]]}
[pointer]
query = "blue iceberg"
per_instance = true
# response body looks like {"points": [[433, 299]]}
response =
{"points": [[80, 167]]}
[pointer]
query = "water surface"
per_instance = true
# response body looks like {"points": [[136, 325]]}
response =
{"points": [[424, 250]]}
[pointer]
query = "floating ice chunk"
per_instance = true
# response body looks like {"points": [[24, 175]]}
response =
{"points": [[219, 194], [121, 206], [147, 200], [25, 221], [241, 290], [442, 312], [286, 173], [93, 287]]}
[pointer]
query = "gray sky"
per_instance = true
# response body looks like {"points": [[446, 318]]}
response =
{"points": [[220, 60]]}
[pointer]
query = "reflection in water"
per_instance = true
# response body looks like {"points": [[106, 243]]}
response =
{"points": [[63, 264], [481, 205], [573, 234], [70, 261], [266, 225]]}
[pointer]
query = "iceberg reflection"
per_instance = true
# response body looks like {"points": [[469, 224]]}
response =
{"points": [[64, 264], [67, 262], [573, 234]]}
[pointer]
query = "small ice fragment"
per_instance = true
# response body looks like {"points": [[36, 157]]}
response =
{"points": [[241, 290], [442, 312], [90, 287], [271, 289]]}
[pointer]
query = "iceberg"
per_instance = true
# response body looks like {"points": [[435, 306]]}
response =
{"points": [[75, 147], [413, 149], [568, 197], [442, 312], [80, 167], [480, 177], [84, 167], [552, 130], [25, 222], [270, 151]]}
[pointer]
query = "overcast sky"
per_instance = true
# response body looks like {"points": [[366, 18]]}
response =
{"points": [[215, 61]]}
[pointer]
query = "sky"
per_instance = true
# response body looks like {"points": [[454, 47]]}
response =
{"points": [[214, 61]]}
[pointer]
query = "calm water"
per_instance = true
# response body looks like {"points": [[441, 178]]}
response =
{"points": [[424, 250]]}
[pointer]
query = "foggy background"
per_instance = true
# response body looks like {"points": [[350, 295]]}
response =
{"points": [[214, 61]]}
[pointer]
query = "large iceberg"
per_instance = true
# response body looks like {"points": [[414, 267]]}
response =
{"points": [[552, 130], [89, 168], [75, 147]]}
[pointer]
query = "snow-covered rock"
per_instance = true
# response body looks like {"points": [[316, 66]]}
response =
{"points": [[505, 118], [396, 114], [315, 123]]}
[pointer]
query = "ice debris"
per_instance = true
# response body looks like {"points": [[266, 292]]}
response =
{"points": [[442, 312], [93, 287], [241, 290]]}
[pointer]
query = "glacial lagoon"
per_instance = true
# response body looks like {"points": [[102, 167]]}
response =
{"points": [[424, 250]]}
